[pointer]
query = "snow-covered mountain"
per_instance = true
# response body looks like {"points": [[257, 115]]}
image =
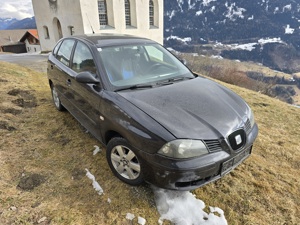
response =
{"points": [[13, 23], [189, 23], [6, 22]]}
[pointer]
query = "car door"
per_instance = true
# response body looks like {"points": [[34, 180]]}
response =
{"points": [[60, 71], [87, 96]]}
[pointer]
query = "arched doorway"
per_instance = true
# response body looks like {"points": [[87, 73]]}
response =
{"points": [[57, 29]]}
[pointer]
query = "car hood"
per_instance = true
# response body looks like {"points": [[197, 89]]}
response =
{"points": [[195, 109]]}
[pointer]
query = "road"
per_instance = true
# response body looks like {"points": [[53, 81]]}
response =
{"points": [[36, 62]]}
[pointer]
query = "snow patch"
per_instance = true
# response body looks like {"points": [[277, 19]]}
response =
{"points": [[247, 47], [141, 220], [289, 30], [96, 185], [263, 41], [213, 9], [97, 149], [198, 13], [180, 3], [234, 12], [253, 45], [182, 208], [207, 2], [130, 216], [191, 6], [287, 8], [216, 57], [185, 40], [171, 14]]}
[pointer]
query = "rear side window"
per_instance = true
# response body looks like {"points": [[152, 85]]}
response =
{"points": [[83, 59], [64, 52], [56, 48]]}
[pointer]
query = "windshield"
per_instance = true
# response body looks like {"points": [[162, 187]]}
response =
{"points": [[141, 64]]}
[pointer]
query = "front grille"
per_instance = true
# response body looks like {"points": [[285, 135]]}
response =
{"points": [[213, 145], [248, 126]]}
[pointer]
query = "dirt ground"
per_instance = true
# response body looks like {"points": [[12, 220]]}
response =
{"points": [[44, 154]]}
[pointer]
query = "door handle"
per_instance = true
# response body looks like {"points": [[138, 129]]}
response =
{"points": [[68, 82]]}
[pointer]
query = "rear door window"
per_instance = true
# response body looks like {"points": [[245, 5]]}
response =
{"points": [[64, 52]]}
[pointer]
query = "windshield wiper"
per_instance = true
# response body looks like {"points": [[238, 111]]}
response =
{"points": [[137, 86], [173, 80]]}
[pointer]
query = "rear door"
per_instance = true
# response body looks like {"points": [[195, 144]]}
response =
{"points": [[60, 72]]}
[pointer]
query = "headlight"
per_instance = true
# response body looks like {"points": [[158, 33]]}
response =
{"points": [[251, 118], [183, 149]]}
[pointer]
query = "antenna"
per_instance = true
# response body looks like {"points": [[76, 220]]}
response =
{"points": [[90, 23]]}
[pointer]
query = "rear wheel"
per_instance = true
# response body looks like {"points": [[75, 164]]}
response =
{"points": [[56, 99], [124, 162]]}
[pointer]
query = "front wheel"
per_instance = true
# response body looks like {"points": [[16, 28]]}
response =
{"points": [[124, 162]]}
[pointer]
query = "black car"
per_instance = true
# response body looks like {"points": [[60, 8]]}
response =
{"points": [[160, 122]]}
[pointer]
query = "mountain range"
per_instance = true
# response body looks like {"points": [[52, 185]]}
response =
{"points": [[264, 31], [13, 23]]}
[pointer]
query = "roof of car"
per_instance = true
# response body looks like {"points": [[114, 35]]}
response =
{"points": [[104, 40]]}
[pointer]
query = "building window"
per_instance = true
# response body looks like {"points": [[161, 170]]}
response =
{"points": [[71, 30], [151, 13], [127, 13], [46, 32], [102, 10]]}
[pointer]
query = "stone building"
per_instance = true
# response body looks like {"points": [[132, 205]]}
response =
{"points": [[61, 18]]}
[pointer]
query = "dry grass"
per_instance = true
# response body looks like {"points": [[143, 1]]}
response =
{"points": [[264, 190], [233, 72]]}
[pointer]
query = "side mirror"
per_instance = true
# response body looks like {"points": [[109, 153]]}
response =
{"points": [[86, 77]]}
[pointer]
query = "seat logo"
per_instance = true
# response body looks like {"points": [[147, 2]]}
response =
{"points": [[238, 139]]}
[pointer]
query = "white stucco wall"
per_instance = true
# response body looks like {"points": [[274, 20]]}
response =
{"points": [[32, 48], [140, 18], [67, 12], [83, 16]]}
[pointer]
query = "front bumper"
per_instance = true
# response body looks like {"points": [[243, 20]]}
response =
{"points": [[192, 173]]}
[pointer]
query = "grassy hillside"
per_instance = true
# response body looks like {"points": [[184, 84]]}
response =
{"points": [[235, 72], [44, 154]]}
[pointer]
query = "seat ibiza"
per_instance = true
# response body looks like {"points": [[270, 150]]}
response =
{"points": [[160, 123]]}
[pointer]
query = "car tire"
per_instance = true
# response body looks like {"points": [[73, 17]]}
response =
{"points": [[124, 162], [56, 99]]}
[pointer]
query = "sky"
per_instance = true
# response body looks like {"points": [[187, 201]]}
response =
{"points": [[18, 9]]}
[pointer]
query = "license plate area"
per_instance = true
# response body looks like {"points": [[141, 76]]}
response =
{"points": [[231, 163]]}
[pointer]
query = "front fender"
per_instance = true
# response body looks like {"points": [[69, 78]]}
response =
{"points": [[141, 131]]}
